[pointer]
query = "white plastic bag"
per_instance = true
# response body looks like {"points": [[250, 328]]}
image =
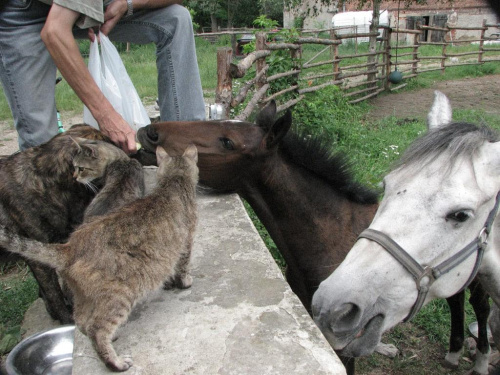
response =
{"points": [[110, 74]]}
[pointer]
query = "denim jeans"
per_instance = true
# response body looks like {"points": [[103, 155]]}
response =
{"points": [[28, 73]]}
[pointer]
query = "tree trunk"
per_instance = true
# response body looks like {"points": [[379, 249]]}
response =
{"points": [[215, 26]]}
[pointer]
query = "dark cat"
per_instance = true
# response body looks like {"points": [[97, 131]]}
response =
{"points": [[40, 199], [114, 260]]}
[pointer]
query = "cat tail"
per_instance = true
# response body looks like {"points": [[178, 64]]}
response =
{"points": [[46, 253]]}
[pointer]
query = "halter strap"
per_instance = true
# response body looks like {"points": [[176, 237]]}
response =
{"points": [[425, 276]]}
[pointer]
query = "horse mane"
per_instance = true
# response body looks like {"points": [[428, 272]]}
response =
{"points": [[313, 154], [457, 138]]}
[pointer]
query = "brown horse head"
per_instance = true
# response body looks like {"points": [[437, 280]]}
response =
{"points": [[227, 149]]}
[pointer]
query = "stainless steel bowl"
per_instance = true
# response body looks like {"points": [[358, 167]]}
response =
{"points": [[45, 353]]}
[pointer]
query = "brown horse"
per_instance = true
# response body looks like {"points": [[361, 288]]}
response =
{"points": [[313, 213], [304, 195]]}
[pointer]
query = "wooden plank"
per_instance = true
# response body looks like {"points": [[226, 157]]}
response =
{"points": [[318, 87], [461, 54], [398, 87], [282, 92], [282, 75], [307, 66], [366, 97]]}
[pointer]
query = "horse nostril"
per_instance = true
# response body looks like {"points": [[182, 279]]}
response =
{"points": [[152, 134], [347, 316]]}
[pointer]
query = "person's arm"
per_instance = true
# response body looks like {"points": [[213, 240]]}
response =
{"points": [[58, 37], [118, 8]]}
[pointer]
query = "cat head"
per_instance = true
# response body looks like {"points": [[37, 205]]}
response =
{"points": [[93, 157], [178, 165]]}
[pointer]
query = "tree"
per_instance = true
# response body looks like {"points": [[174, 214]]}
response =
{"points": [[227, 13]]}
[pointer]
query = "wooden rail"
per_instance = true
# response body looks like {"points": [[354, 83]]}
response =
{"points": [[360, 80]]}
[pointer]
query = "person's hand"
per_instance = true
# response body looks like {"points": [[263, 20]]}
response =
{"points": [[92, 34], [113, 13], [119, 131]]}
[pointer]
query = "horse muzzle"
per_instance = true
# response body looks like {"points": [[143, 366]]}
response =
{"points": [[148, 137], [349, 330]]}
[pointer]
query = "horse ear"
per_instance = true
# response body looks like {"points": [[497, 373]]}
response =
{"points": [[161, 155], [266, 117], [278, 130], [440, 113], [191, 152]]}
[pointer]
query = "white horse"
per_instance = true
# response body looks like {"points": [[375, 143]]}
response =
{"points": [[427, 240]]}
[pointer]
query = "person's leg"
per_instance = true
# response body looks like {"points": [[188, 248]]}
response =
{"points": [[27, 71], [179, 85]]}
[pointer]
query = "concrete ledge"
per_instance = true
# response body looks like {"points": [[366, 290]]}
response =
{"points": [[239, 317]]}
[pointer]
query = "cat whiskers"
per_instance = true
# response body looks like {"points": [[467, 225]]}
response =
{"points": [[91, 186]]}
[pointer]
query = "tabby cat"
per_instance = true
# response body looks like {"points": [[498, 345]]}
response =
{"points": [[40, 199], [102, 163], [113, 260]]}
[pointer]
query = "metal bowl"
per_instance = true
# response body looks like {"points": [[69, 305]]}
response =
{"points": [[45, 353], [473, 329]]}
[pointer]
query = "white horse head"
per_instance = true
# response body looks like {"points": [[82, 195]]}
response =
{"points": [[436, 201]]}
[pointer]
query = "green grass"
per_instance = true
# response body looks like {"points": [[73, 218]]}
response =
{"points": [[16, 295]]}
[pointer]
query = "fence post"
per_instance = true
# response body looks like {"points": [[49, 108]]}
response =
{"points": [[372, 59], [296, 54], [481, 43], [414, 66], [260, 44], [224, 93], [388, 51], [443, 65], [335, 49]]}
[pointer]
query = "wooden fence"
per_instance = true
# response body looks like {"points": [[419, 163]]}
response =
{"points": [[360, 75]]}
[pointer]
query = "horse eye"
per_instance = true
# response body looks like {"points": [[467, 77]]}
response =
{"points": [[227, 143], [459, 216]]}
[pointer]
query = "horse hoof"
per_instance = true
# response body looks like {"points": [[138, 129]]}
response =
{"points": [[449, 365]]}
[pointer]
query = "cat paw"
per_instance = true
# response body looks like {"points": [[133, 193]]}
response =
{"points": [[169, 284], [181, 283], [185, 282], [121, 364]]}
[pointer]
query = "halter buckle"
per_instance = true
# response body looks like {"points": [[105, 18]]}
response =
{"points": [[482, 237], [427, 273]]}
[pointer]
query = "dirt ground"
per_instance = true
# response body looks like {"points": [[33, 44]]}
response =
{"points": [[469, 93]]}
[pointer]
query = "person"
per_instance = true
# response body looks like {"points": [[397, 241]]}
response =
{"points": [[37, 37]]}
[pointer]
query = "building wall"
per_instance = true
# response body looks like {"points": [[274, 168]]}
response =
{"points": [[458, 13]]}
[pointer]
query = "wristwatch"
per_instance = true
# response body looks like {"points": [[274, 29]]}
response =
{"points": [[130, 8]]}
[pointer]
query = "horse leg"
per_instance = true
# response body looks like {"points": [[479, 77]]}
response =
{"points": [[479, 300], [456, 305], [494, 323], [51, 293], [349, 364]]}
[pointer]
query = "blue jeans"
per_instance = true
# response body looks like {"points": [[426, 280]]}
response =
{"points": [[28, 73]]}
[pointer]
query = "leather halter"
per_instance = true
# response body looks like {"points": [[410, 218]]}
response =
{"points": [[426, 275]]}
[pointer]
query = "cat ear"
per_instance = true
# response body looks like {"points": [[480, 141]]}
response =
{"points": [[161, 155], [191, 152], [91, 150], [76, 143]]}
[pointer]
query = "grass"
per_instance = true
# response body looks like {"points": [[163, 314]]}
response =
{"points": [[18, 290]]}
